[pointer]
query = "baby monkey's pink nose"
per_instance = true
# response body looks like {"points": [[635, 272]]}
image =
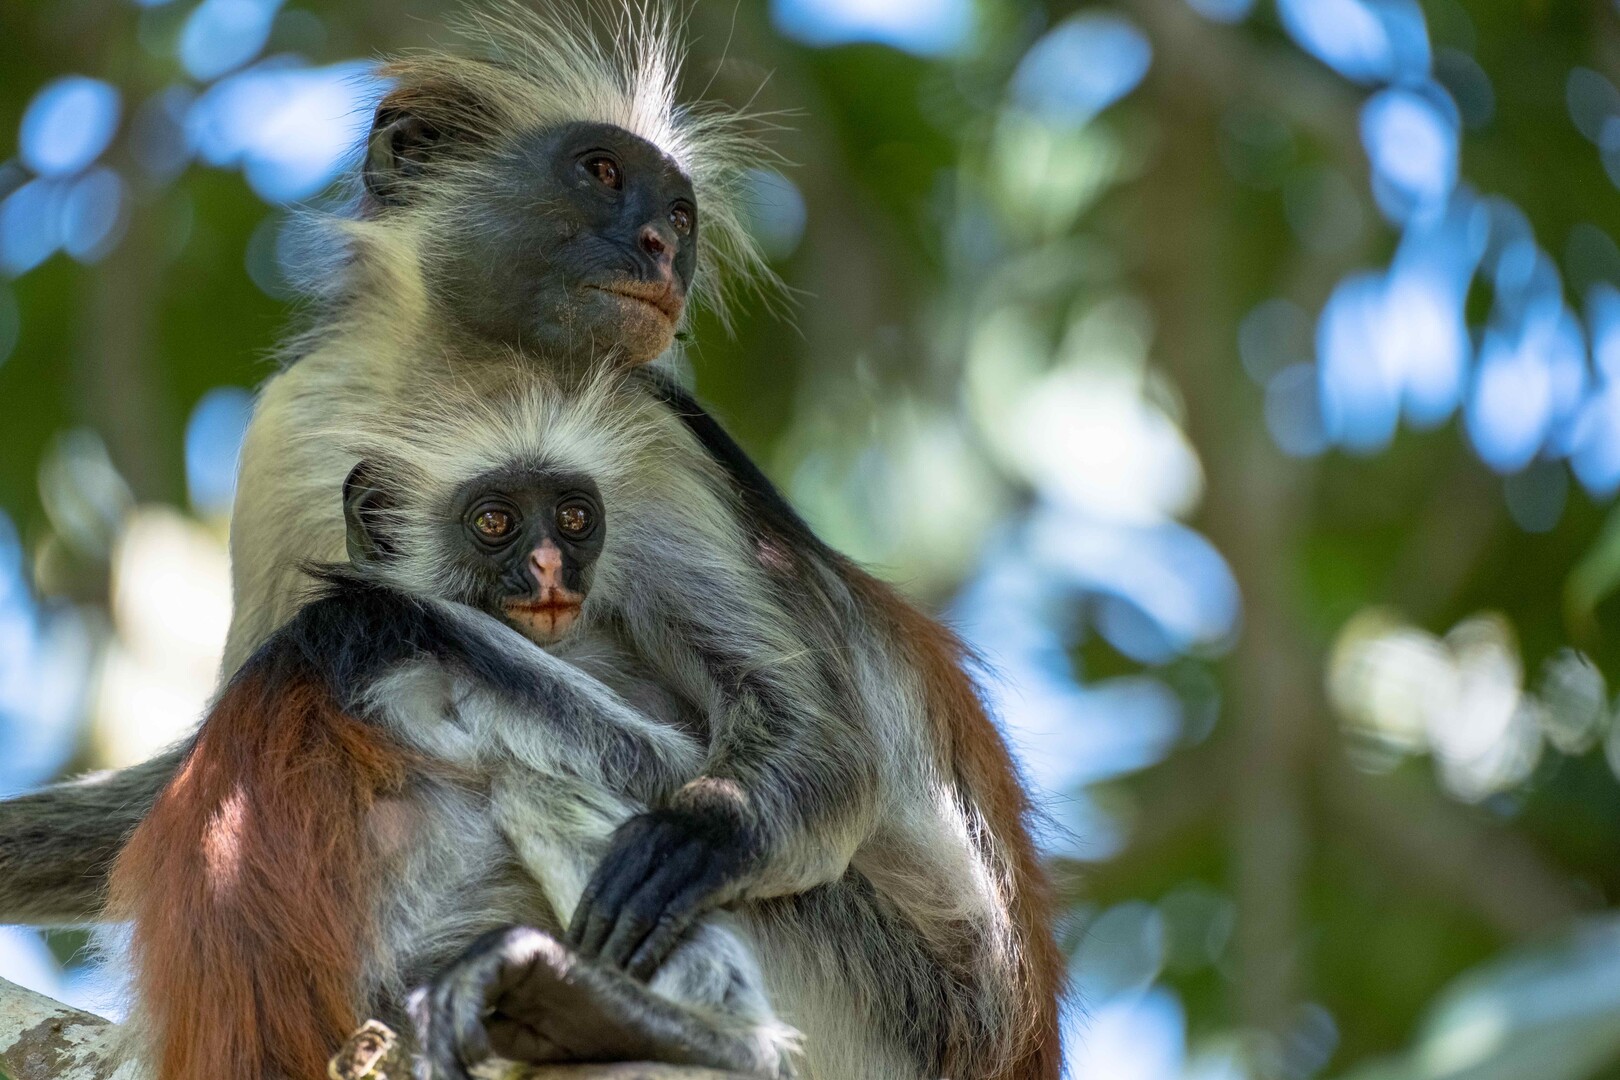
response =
{"points": [[545, 563]]}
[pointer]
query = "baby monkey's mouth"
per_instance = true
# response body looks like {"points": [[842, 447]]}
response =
{"points": [[663, 296], [543, 621]]}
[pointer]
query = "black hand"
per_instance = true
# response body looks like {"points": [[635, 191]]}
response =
{"points": [[458, 1018], [662, 870]]}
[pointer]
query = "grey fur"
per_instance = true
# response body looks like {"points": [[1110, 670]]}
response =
{"points": [[535, 799], [83, 824], [813, 722], [797, 692]]}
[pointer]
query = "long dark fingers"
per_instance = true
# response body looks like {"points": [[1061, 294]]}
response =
{"points": [[647, 907], [627, 864], [655, 948]]}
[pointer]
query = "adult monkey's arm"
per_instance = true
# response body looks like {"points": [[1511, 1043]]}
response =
{"points": [[58, 844]]}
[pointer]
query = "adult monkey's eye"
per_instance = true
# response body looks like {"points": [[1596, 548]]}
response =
{"points": [[494, 523], [681, 217], [575, 520], [605, 170]]}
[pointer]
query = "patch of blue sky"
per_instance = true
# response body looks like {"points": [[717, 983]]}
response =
{"points": [[924, 27], [214, 434], [222, 35], [26, 960], [1528, 386], [68, 124], [44, 662], [290, 128], [1223, 11], [1080, 67], [1363, 40], [1411, 135]]}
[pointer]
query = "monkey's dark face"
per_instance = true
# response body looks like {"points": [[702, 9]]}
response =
{"points": [[527, 542], [574, 240], [519, 543]]}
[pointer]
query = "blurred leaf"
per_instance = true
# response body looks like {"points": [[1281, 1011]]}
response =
{"points": [[1595, 576], [1551, 1012]]}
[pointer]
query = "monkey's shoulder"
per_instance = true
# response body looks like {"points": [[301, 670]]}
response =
{"points": [[767, 509]]}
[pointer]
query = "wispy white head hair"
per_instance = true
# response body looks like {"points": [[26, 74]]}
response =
{"points": [[532, 67]]}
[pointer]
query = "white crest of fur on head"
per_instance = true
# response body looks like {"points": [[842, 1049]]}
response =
{"points": [[540, 66], [640, 457]]}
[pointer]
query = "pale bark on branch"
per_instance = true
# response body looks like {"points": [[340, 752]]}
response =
{"points": [[42, 1039]]}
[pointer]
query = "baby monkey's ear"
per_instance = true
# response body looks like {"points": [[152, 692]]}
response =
{"points": [[368, 510], [437, 110]]}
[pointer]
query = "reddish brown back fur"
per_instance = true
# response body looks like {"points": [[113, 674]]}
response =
{"points": [[984, 767], [248, 886]]}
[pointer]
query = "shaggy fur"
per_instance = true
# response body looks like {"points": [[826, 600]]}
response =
{"points": [[838, 719]]}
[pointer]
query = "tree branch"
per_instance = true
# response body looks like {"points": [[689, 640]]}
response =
{"points": [[42, 1039]]}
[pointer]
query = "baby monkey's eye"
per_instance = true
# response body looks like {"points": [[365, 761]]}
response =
{"points": [[493, 523], [681, 218], [605, 170], [575, 520]]}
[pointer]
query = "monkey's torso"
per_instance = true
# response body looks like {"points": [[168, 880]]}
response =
{"points": [[498, 774], [907, 831], [850, 781]]}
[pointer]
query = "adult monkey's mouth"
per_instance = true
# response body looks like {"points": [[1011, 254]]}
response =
{"points": [[662, 296]]}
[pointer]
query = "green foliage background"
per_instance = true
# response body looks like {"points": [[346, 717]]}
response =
{"points": [[1369, 896]]}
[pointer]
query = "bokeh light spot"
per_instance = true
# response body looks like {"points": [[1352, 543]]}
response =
{"points": [[93, 215], [220, 35], [1294, 411], [1592, 100], [214, 436], [158, 133], [1535, 497], [1275, 334], [68, 124], [776, 212], [1129, 1037], [927, 27], [1346, 35], [1411, 142], [1082, 66], [289, 128], [30, 225]]}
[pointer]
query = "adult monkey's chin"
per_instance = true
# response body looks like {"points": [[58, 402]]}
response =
{"points": [[640, 319]]}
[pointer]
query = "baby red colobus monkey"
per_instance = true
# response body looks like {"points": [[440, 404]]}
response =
{"points": [[393, 774], [401, 776]]}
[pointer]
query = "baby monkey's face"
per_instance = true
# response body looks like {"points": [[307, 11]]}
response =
{"points": [[528, 541]]}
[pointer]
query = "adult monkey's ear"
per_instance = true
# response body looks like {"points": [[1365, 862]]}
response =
{"points": [[399, 145], [368, 509], [436, 111]]}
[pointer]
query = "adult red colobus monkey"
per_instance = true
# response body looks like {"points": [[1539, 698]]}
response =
{"points": [[543, 208]]}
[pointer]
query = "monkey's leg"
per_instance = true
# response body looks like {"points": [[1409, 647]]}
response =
{"points": [[58, 844], [522, 995]]}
